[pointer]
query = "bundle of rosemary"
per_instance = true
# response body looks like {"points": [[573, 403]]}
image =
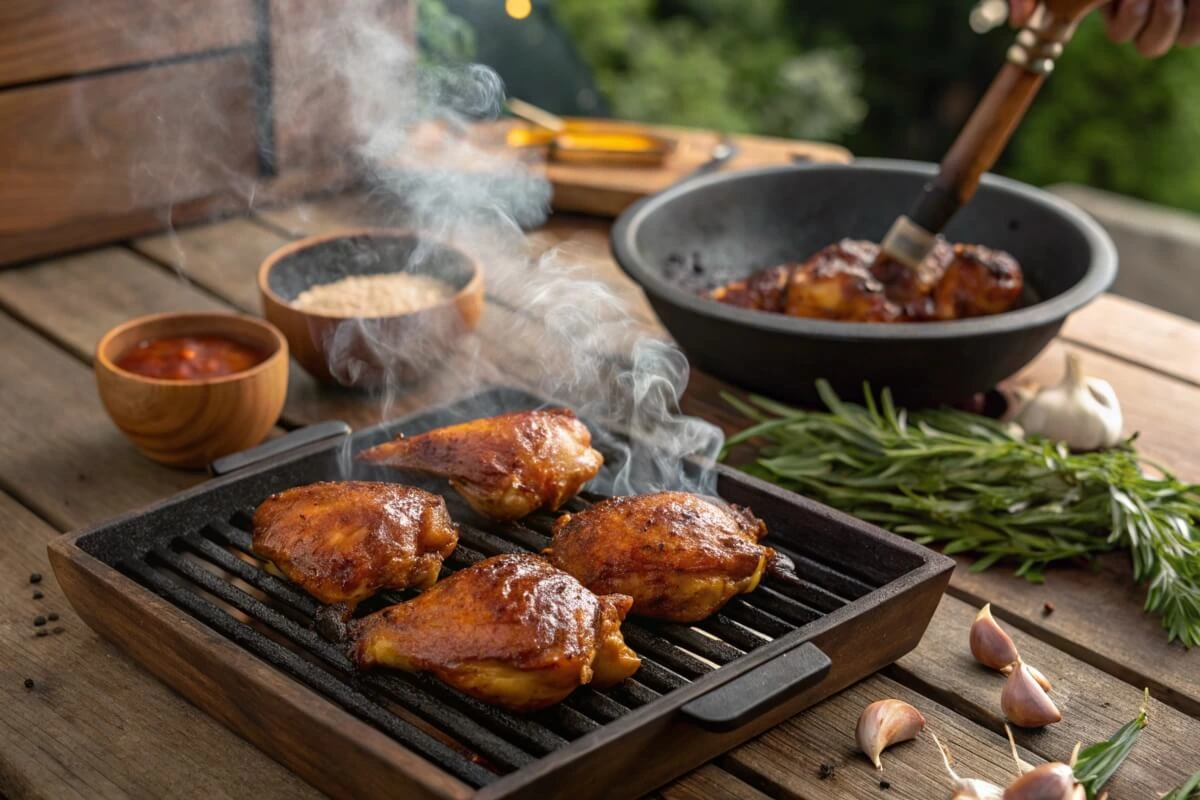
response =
{"points": [[972, 484]]}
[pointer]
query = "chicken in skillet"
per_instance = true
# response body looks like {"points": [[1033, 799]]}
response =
{"points": [[849, 281], [505, 467], [678, 555], [343, 541], [510, 630]]}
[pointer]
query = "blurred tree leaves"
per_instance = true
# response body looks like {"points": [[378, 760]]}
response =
{"points": [[1110, 118], [724, 64], [895, 78]]}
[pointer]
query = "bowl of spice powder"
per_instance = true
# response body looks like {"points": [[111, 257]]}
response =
{"points": [[369, 307]]}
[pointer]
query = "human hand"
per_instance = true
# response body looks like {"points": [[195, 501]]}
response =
{"points": [[1153, 25]]}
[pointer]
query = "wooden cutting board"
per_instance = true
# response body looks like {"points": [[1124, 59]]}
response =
{"points": [[605, 189]]}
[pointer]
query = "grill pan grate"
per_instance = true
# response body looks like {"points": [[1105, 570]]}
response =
{"points": [[862, 596], [214, 575]]}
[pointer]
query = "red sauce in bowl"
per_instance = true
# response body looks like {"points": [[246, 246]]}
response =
{"points": [[184, 358]]}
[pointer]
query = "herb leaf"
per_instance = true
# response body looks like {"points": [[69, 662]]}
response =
{"points": [[968, 483], [1096, 764], [1190, 790]]}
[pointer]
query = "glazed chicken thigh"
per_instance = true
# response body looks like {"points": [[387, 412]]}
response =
{"points": [[510, 630], [506, 467], [343, 541], [850, 281], [678, 555]]}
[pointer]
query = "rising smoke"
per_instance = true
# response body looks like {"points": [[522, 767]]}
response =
{"points": [[550, 328]]}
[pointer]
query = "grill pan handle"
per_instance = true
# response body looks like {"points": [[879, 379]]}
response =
{"points": [[309, 434], [744, 698]]}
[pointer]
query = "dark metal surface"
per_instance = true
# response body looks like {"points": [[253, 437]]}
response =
{"points": [[719, 228], [195, 551]]}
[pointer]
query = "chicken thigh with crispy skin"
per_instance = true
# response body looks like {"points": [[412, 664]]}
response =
{"points": [[342, 541], [510, 630], [678, 555], [978, 281], [505, 467]]}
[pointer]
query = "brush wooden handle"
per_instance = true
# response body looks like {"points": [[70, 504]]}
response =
{"points": [[1030, 59]]}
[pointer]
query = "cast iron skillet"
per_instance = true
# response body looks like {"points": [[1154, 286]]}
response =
{"points": [[713, 229]]}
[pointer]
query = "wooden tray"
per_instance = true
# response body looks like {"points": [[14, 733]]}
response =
{"points": [[175, 586]]}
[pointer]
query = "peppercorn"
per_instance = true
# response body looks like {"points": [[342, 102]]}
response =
{"points": [[29, 683], [35, 577], [39, 621]]}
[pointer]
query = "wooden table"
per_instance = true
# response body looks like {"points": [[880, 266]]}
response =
{"points": [[96, 725]]}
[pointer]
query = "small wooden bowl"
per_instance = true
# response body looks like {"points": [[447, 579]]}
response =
{"points": [[188, 423], [366, 352]]}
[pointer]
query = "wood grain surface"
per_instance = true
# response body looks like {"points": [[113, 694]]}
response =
{"points": [[129, 142], [42, 39], [1097, 645], [95, 724]]}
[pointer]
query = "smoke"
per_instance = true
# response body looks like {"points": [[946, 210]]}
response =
{"points": [[350, 91]]}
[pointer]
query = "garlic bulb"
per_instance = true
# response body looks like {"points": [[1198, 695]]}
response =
{"points": [[1081, 412], [885, 722]]}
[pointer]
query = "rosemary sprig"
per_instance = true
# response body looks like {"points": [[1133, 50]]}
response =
{"points": [[1190, 790], [970, 484], [1095, 765]]}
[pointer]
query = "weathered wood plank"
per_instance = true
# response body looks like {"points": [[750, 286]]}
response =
{"points": [[95, 725], [1097, 617], [75, 300], [710, 782], [40, 39], [1138, 333], [786, 762], [1093, 703], [222, 257], [59, 453]]}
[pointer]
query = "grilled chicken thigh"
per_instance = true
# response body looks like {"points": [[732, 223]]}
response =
{"points": [[678, 555], [510, 630], [850, 281], [505, 467], [342, 541], [978, 281], [837, 283]]}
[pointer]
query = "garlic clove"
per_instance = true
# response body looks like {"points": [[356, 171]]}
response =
{"points": [[990, 645], [1052, 781], [967, 788], [1084, 413], [884, 723], [1037, 675], [1025, 702]]}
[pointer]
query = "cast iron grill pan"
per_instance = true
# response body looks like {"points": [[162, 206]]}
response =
{"points": [[196, 553]]}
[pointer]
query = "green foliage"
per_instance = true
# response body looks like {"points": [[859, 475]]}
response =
{"points": [[724, 64], [1110, 118], [1106, 118], [443, 37]]}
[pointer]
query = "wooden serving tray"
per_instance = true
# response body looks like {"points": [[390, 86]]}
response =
{"points": [[176, 586]]}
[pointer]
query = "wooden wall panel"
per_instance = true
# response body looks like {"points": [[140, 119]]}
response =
{"points": [[110, 145], [42, 39], [312, 44]]}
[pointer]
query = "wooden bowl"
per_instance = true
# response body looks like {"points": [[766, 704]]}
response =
{"points": [[365, 352], [188, 423]]}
